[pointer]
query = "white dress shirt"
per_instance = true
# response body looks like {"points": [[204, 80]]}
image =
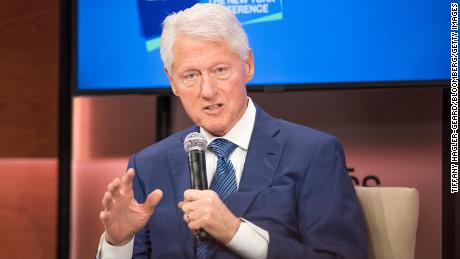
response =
{"points": [[250, 241]]}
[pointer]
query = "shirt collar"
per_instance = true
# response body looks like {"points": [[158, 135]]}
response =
{"points": [[240, 134]]}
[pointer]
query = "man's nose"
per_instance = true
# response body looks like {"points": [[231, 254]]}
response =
{"points": [[208, 86]]}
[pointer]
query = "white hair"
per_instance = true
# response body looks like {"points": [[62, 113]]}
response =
{"points": [[207, 21]]}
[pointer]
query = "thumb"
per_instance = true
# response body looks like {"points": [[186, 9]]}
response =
{"points": [[153, 199]]}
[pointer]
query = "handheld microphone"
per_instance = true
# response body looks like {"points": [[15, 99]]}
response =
{"points": [[195, 144]]}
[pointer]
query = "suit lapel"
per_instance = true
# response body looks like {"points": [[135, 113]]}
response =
{"points": [[262, 159]]}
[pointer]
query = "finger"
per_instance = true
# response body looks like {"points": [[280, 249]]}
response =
{"points": [[202, 221], [191, 216], [198, 212], [188, 206], [205, 200], [107, 201], [114, 187], [191, 194], [127, 180], [180, 204], [153, 199], [187, 217], [103, 215], [194, 225]]}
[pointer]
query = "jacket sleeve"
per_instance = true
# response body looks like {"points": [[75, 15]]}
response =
{"points": [[330, 221]]}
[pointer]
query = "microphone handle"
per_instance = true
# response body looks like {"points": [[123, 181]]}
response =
{"points": [[198, 178], [197, 167]]}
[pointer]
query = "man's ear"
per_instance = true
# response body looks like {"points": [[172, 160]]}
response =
{"points": [[171, 82], [249, 65]]}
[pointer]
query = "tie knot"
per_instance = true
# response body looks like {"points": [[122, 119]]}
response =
{"points": [[222, 147]]}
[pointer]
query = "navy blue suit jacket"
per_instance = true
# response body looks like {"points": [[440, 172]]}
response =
{"points": [[294, 185]]}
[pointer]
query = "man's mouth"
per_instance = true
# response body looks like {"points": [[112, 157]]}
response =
{"points": [[214, 106]]}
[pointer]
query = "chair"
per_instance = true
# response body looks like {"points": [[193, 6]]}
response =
{"points": [[391, 215]]}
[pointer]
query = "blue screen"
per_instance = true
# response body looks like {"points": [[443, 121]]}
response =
{"points": [[294, 42]]}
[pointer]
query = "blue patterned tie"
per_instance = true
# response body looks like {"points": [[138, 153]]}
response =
{"points": [[224, 180]]}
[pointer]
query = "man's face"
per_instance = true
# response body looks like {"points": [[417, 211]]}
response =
{"points": [[210, 80]]}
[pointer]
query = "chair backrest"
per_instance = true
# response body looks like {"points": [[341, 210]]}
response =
{"points": [[391, 215]]}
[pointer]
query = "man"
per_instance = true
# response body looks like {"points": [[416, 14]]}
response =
{"points": [[287, 193]]}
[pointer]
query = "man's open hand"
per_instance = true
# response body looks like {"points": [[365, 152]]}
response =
{"points": [[122, 215]]}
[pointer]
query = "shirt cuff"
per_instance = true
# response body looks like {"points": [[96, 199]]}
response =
{"points": [[250, 241], [108, 251]]}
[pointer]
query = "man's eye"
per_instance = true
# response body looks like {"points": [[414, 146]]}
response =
{"points": [[190, 76], [220, 70]]}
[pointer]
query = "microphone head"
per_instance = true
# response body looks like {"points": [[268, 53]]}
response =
{"points": [[195, 141]]}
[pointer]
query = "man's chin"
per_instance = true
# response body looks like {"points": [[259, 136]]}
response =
{"points": [[215, 130]]}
